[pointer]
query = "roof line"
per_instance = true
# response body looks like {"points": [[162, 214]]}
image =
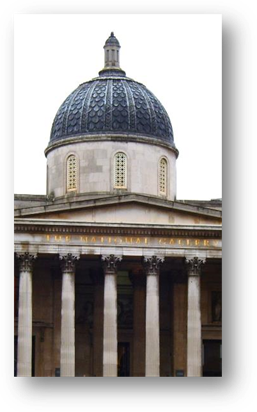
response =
{"points": [[72, 204]]}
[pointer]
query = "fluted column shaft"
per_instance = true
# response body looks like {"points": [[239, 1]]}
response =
{"points": [[68, 315], [110, 335], [152, 348], [194, 327], [25, 315]]}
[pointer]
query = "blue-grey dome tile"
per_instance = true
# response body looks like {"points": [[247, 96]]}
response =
{"points": [[111, 104]]}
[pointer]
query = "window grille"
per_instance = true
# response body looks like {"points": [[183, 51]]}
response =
{"points": [[163, 177], [120, 172], [71, 173]]}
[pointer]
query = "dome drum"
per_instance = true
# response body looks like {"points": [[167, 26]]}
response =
{"points": [[96, 168]]}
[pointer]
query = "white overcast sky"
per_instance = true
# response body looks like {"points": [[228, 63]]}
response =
{"points": [[177, 57]]}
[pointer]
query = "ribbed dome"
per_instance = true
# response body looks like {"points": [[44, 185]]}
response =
{"points": [[112, 104]]}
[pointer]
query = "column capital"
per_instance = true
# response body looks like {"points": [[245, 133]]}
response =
{"points": [[194, 265], [152, 264], [26, 261], [110, 263], [68, 261]]}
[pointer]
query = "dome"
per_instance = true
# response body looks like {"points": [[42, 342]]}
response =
{"points": [[108, 134], [111, 104], [112, 40]]}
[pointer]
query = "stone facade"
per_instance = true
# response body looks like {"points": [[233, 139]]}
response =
{"points": [[115, 279], [51, 312]]}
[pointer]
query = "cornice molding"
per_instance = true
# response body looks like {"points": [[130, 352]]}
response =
{"points": [[121, 137], [103, 229], [81, 201]]}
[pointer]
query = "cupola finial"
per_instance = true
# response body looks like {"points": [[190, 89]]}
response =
{"points": [[111, 53]]}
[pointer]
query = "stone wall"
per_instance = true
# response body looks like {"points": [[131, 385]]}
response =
{"points": [[96, 167]]}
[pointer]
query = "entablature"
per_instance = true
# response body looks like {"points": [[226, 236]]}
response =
{"points": [[124, 239]]}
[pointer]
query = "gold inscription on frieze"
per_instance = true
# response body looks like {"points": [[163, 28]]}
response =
{"points": [[116, 240], [162, 241]]}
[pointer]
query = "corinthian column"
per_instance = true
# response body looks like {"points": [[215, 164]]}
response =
{"points": [[68, 315], [110, 340], [194, 335], [152, 343], [25, 314]]}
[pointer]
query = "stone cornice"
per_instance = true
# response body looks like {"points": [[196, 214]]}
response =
{"points": [[71, 227], [84, 201], [120, 137]]}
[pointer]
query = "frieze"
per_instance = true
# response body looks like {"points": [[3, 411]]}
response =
{"points": [[142, 241], [53, 239]]}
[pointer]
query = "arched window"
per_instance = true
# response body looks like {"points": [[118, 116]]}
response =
{"points": [[163, 176], [72, 173], [120, 171]]}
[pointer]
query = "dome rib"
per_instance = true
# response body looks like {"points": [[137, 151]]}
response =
{"points": [[151, 111], [108, 106], [68, 119], [131, 105], [83, 110]]}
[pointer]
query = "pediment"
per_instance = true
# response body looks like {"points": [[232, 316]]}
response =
{"points": [[130, 209]]}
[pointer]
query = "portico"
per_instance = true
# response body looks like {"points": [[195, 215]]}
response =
{"points": [[124, 273]]}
